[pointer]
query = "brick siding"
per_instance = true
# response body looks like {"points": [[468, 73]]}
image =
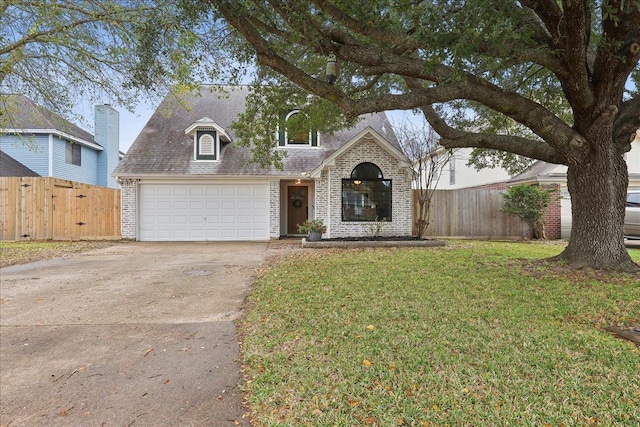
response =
{"points": [[274, 209], [328, 193], [128, 202], [552, 217]]}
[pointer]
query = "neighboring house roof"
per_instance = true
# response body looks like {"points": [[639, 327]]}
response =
{"points": [[11, 167], [28, 117], [541, 171], [163, 148]]}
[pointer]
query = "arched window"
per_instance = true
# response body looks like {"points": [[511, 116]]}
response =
{"points": [[366, 195], [207, 144], [366, 171], [294, 130]]}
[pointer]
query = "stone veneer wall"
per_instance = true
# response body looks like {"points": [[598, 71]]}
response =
{"points": [[329, 193], [274, 209], [128, 203]]}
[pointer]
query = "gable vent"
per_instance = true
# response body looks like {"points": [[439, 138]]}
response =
{"points": [[207, 145]]}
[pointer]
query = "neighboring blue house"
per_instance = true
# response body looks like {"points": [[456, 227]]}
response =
{"points": [[51, 146]]}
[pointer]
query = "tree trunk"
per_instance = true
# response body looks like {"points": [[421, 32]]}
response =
{"points": [[598, 189]]}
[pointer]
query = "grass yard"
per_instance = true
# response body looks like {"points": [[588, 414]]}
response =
{"points": [[474, 334]]}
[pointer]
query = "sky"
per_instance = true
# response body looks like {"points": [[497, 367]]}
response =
{"points": [[130, 123]]}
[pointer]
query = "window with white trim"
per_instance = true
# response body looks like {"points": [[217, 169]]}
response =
{"points": [[207, 145], [293, 131], [73, 154]]}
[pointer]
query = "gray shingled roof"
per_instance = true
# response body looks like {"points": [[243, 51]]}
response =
{"points": [[538, 169], [26, 114], [11, 167], [162, 148]]}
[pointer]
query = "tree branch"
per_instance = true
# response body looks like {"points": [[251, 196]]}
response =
{"points": [[381, 37], [627, 122], [577, 23], [454, 138]]}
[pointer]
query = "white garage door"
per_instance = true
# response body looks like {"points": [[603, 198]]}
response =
{"points": [[199, 212]]}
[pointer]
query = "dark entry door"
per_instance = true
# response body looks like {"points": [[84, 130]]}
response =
{"points": [[297, 207]]}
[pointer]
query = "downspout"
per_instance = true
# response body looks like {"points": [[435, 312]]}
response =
{"points": [[51, 155]]}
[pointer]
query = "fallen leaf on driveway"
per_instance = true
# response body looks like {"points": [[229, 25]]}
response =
{"points": [[65, 412]]}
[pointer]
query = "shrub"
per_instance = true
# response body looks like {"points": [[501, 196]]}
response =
{"points": [[528, 202]]}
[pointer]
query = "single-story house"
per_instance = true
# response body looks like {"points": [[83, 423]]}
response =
{"points": [[50, 146], [184, 178]]}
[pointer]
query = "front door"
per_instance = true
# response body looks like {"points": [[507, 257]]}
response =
{"points": [[297, 207]]}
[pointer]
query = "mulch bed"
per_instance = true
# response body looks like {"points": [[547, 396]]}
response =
{"points": [[375, 239]]}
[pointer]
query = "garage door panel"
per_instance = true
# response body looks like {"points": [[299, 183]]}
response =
{"points": [[245, 219], [180, 190], [212, 191], [203, 212], [228, 191], [166, 219], [196, 220], [196, 191], [228, 219], [245, 204]]}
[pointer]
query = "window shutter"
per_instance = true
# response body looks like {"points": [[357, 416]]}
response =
{"points": [[314, 138]]}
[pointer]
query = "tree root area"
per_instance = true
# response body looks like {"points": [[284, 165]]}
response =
{"points": [[629, 333]]}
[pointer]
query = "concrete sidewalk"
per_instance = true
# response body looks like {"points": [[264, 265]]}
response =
{"points": [[137, 334]]}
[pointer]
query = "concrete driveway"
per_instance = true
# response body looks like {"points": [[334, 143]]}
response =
{"points": [[136, 334]]}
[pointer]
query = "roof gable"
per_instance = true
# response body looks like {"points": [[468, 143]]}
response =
{"points": [[367, 134], [207, 123]]}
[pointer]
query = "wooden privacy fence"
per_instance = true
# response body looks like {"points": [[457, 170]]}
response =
{"points": [[57, 209], [471, 213]]}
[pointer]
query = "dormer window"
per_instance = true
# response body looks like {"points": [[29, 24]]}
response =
{"points": [[206, 145], [207, 139], [293, 132]]}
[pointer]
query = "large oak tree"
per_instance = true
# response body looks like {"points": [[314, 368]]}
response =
{"points": [[61, 52], [546, 79]]}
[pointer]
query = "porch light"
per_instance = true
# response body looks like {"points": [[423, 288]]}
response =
{"points": [[298, 181], [357, 182]]}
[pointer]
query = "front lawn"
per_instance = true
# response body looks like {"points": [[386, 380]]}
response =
{"points": [[474, 334]]}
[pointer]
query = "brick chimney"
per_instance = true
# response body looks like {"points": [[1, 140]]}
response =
{"points": [[107, 134]]}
